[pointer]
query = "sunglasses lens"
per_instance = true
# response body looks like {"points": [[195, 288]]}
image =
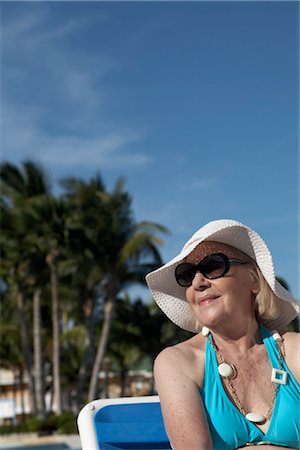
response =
{"points": [[211, 267], [214, 266], [184, 274]]}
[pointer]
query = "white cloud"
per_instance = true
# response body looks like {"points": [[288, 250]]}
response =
{"points": [[110, 149], [21, 25], [71, 100], [33, 46], [32, 26], [81, 79]]}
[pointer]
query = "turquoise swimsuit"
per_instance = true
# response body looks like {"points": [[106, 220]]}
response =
{"points": [[229, 428]]}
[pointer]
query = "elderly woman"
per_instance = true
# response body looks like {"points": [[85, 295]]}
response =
{"points": [[235, 383]]}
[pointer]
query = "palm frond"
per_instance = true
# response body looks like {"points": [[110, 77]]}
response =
{"points": [[152, 227], [12, 179], [119, 186], [36, 178], [141, 244]]}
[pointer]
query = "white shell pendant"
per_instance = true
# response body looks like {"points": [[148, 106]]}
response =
{"points": [[276, 336], [255, 417], [205, 331], [226, 370]]}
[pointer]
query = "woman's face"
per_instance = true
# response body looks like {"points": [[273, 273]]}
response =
{"points": [[225, 298]]}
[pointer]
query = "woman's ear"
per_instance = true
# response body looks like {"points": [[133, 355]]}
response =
{"points": [[255, 288]]}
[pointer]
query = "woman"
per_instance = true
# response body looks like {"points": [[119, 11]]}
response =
{"points": [[236, 383]]}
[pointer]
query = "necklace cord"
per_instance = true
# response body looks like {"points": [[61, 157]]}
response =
{"points": [[220, 359]]}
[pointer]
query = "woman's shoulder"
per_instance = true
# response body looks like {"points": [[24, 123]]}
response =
{"points": [[188, 349], [291, 341], [185, 358], [292, 336]]}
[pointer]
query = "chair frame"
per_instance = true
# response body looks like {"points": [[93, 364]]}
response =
{"points": [[85, 420]]}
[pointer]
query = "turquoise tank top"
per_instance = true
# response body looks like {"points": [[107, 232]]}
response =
{"points": [[228, 426]]}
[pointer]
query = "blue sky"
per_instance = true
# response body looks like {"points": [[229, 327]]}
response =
{"points": [[195, 103]]}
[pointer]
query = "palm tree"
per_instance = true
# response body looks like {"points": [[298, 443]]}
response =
{"points": [[86, 223], [13, 274], [116, 252], [18, 186], [86, 236], [130, 250], [47, 217]]}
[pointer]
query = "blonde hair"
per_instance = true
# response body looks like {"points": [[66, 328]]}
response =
{"points": [[266, 303]]}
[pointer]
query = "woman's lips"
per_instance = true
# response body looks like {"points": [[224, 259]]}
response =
{"points": [[206, 299]]}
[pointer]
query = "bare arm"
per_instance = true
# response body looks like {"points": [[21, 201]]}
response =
{"points": [[292, 348], [182, 407]]}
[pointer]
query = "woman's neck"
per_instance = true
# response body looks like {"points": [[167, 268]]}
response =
{"points": [[240, 338]]}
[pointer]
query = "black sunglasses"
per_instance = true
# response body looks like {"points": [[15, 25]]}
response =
{"points": [[212, 267]]}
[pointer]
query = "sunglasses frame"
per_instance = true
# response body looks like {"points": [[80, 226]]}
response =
{"points": [[194, 268]]}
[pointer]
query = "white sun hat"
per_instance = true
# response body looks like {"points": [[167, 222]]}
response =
{"points": [[170, 297]]}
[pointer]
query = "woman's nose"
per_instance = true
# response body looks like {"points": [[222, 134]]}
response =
{"points": [[199, 282]]}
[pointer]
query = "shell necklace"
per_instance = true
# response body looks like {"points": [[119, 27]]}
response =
{"points": [[229, 372]]}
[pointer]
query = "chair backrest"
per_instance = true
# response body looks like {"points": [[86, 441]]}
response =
{"points": [[123, 423]]}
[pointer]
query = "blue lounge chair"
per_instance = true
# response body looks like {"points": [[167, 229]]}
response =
{"points": [[132, 423]]}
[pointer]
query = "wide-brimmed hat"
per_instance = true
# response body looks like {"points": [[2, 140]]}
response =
{"points": [[170, 297]]}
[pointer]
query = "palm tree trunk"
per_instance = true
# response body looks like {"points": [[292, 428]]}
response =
{"points": [[108, 315], [26, 349], [51, 261], [88, 355], [37, 354], [21, 391]]}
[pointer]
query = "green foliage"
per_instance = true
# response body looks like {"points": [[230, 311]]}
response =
{"points": [[10, 345], [86, 237], [9, 429], [72, 342], [62, 424], [139, 332], [67, 423], [37, 425], [29, 181]]}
